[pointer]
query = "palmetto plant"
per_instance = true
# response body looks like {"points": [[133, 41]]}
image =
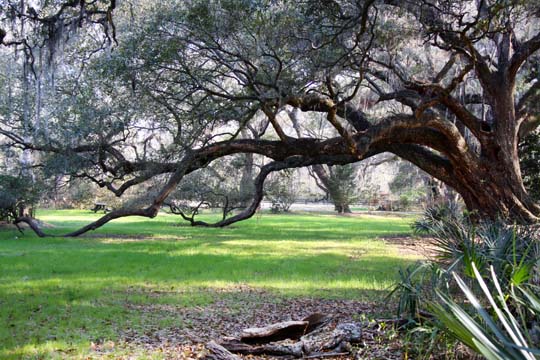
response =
{"points": [[512, 251], [492, 306], [414, 285], [436, 216], [500, 326], [409, 289]]}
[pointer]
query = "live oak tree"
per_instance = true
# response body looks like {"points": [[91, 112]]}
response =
{"points": [[32, 39], [343, 184], [215, 186], [451, 86], [339, 183]]}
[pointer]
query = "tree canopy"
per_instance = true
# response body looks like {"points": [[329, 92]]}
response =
{"points": [[451, 86]]}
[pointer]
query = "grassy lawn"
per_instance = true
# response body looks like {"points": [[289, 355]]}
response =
{"points": [[58, 295]]}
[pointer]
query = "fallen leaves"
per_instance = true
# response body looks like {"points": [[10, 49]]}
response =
{"points": [[245, 307]]}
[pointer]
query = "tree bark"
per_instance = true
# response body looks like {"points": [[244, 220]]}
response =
{"points": [[32, 223], [218, 352], [487, 189]]}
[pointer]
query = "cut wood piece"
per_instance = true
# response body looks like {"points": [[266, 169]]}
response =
{"points": [[238, 347], [349, 332], [277, 349], [328, 354], [322, 339], [316, 320], [275, 332], [218, 352]]}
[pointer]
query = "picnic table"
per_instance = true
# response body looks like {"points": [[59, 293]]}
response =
{"points": [[100, 207]]}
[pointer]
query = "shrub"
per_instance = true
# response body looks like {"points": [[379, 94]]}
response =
{"points": [[469, 252], [529, 161], [280, 190], [17, 194], [438, 217]]}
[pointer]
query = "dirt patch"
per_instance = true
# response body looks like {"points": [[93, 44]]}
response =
{"points": [[412, 245], [244, 307], [113, 238], [10, 226], [117, 236], [378, 214]]}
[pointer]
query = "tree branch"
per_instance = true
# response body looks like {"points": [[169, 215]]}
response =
{"points": [[528, 110], [521, 54]]}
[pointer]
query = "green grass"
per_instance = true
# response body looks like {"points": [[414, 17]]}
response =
{"points": [[57, 295]]}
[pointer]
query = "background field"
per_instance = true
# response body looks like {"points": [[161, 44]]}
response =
{"points": [[60, 295]]}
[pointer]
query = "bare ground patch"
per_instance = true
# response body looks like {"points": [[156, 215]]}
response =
{"points": [[379, 213], [10, 226], [115, 238], [411, 245]]}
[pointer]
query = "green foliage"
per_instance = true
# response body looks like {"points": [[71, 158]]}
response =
{"points": [[437, 217], [281, 191], [16, 193], [404, 202], [413, 289], [529, 151], [409, 198], [492, 329], [343, 186], [507, 255], [426, 342], [409, 185], [215, 186], [513, 251], [81, 195], [407, 178]]}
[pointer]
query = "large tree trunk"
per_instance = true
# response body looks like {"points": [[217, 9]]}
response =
{"points": [[342, 208], [246, 182], [324, 182], [498, 188], [490, 187], [492, 194], [487, 174], [321, 174], [495, 186]]}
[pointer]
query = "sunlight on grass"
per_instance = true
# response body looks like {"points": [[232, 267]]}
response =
{"points": [[57, 295]]}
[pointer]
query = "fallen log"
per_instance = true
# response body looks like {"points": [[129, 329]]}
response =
{"points": [[275, 332], [316, 320], [284, 330], [338, 339], [328, 354], [277, 349], [218, 352], [315, 338]]}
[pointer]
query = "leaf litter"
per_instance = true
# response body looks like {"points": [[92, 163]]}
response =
{"points": [[241, 307]]}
